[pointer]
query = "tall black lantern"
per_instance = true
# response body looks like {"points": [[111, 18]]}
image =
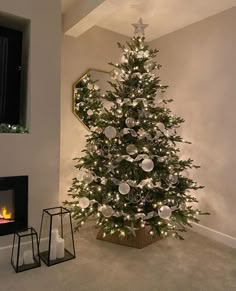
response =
{"points": [[56, 240], [25, 250]]}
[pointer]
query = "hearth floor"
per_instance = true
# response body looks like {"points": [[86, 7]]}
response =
{"points": [[167, 265]]}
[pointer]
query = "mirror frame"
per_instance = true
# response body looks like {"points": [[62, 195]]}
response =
{"points": [[73, 92]]}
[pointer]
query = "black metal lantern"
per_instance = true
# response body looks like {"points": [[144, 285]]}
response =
{"points": [[56, 240], [25, 250]]}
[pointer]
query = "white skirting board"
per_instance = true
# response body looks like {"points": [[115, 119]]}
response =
{"points": [[215, 235]]}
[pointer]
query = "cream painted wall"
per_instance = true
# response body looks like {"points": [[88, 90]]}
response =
{"points": [[37, 154], [199, 65], [94, 49]]}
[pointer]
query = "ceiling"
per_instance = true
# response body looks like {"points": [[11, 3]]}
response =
{"points": [[66, 5], [163, 16]]}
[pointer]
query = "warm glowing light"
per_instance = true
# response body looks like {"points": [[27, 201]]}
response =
{"points": [[5, 214]]}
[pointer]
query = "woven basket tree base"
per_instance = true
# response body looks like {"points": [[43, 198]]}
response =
{"points": [[142, 239]]}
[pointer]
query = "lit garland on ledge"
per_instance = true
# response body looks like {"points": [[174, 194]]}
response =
{"points": [[9, 128], [131, 175]]}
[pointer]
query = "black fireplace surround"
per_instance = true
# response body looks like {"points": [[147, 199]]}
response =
{"points": [[18, 187]]}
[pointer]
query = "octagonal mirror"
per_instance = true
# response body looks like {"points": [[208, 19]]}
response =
{"points": [[87, 100]]}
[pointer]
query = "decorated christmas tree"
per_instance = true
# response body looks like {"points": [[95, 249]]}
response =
{"points": [[131, 176]]}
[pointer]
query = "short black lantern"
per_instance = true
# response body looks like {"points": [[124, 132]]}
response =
{"points": [[56, 240], [25, 250]]}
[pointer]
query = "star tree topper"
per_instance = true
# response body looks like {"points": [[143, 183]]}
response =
{"points": [[139, 27]]}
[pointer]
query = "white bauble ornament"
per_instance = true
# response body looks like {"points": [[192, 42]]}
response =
{"points": [[96, 87], [165, 212], [84, 202], [130, 122], [110, 132], [124, 188], [80, 175], [161, 126], [91, 147], [147, 165], [131, 149], [107, 210], [88, 178], [90, 86], [90, 112], [173, 179]]}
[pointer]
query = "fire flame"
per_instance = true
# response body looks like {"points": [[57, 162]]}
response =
{"points": [[5, 214]]}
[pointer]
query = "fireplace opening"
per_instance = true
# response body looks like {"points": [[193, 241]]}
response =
{"points": [[13, 204], [7, 206]]}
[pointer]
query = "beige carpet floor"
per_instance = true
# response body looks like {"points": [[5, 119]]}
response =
{"points": [[168, 265]]}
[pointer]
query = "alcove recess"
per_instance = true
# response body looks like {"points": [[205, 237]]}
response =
{"points": [[14, 66]]}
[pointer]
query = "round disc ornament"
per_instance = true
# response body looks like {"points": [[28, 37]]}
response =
{"points": [[124, 188], [88, 178], [84, 202], [107, 210], [90, 112], [130, 122], [110, 132], [147, 165], [131, 149], [165, 212], [173, 179]]}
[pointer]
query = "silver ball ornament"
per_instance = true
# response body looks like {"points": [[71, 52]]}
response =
{"points": [[130, 122], [173, 179], [90, 112], [84, 202], [124, 188], [110, 132], [131, 149], [88, 178], [107, 210], [165, 212], [147, 165]]}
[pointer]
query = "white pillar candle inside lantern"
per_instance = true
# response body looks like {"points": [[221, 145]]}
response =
{"points": [[53, 251], [54, 235], [28, 257], [60, 248]]}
